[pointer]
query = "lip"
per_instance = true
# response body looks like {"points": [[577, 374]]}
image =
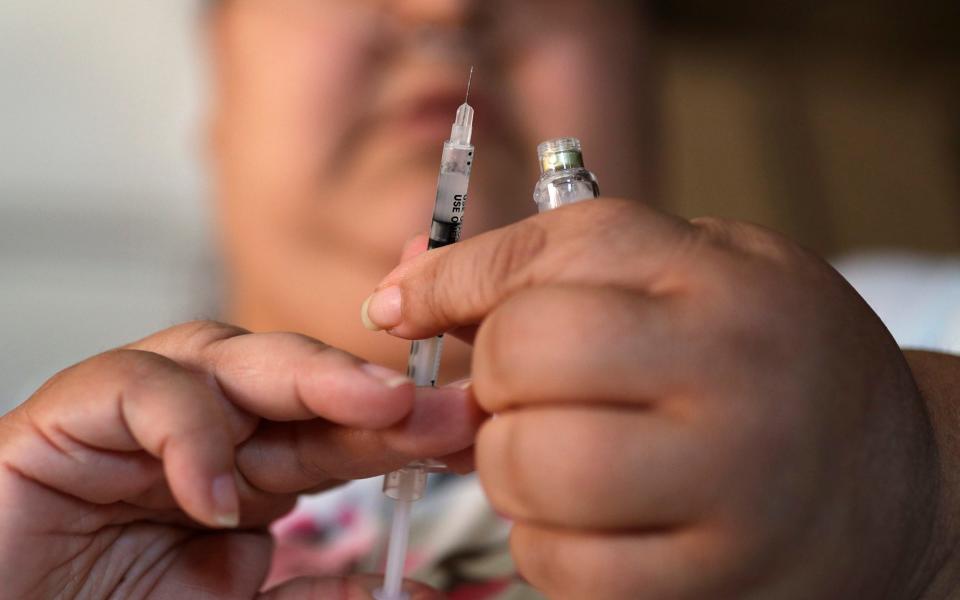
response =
{"points": [[428, 116]]}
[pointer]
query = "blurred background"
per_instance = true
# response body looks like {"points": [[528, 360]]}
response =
{"points": [[102, 220], [836, 123]]}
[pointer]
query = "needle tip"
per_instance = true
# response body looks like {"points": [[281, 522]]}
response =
{"points": [[469, 81]]}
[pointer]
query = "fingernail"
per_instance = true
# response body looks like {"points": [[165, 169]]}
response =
{"points": [[226, 501], [387, 377], [382, 310], [363, 315]]}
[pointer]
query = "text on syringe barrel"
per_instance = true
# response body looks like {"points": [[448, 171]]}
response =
{"points": [[455, 166]]}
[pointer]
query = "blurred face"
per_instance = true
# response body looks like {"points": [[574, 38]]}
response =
{"points": [[329, 118]]}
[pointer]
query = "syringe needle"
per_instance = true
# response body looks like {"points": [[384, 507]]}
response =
{"points": [[469, 81]]}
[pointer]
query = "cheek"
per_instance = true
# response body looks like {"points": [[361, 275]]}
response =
{"points": [[290, 79]]}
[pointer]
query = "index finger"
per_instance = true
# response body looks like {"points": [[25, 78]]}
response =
{"points": [[286, 376], [604, 242]]}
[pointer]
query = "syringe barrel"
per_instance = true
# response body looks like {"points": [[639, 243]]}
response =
{"points": [[423, 365], [452, 186], [453, 182]]}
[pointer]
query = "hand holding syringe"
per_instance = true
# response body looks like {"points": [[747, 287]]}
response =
{"points": [[659, 384]]}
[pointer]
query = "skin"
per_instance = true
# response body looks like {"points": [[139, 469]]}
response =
{"points": [[684, 410], [327, 127], [127, 468], [691, 410]]}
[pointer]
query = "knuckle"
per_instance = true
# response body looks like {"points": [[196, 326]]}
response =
{"points": [[716, 228], [566, 565], [443, 302], [752, 274], [610, 211], [534, 557], [204, 333], [307, 460], [543, 560], [311, 352], [524, 341], [558, 472], [579, 470], [309, 343], [745, 239], [521, 244], [726, 232], [501, 469], [605, 240], [489, 369], [608, 219], [501, 353], [188, 338], [601, 568], [488, 273], [132, 367], [547, 466], [304, 346], [140, 374], [55, 381], [209, 328]]}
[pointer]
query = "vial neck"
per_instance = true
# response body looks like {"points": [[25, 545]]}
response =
{"points": [[551, 162]]}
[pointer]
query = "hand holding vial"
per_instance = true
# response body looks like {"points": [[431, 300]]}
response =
{"points": [[665, 392]]}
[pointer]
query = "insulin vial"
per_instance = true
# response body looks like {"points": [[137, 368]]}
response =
{"points": [[563, 178]]}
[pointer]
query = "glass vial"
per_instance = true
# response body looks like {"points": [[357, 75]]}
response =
{"points": [[563, 178]]}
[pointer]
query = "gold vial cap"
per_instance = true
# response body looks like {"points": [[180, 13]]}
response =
{"points": [[560, 154]]}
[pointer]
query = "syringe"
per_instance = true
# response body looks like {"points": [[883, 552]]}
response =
{"points": [[407, 485], [455, 166]]}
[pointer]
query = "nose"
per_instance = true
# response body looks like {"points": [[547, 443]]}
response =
{"points": [[436, 13]]}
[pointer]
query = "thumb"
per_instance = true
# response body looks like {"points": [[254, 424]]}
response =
{"points": [[604, 242]]}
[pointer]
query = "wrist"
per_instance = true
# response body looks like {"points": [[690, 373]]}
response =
{"points": [[937, 377]]}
